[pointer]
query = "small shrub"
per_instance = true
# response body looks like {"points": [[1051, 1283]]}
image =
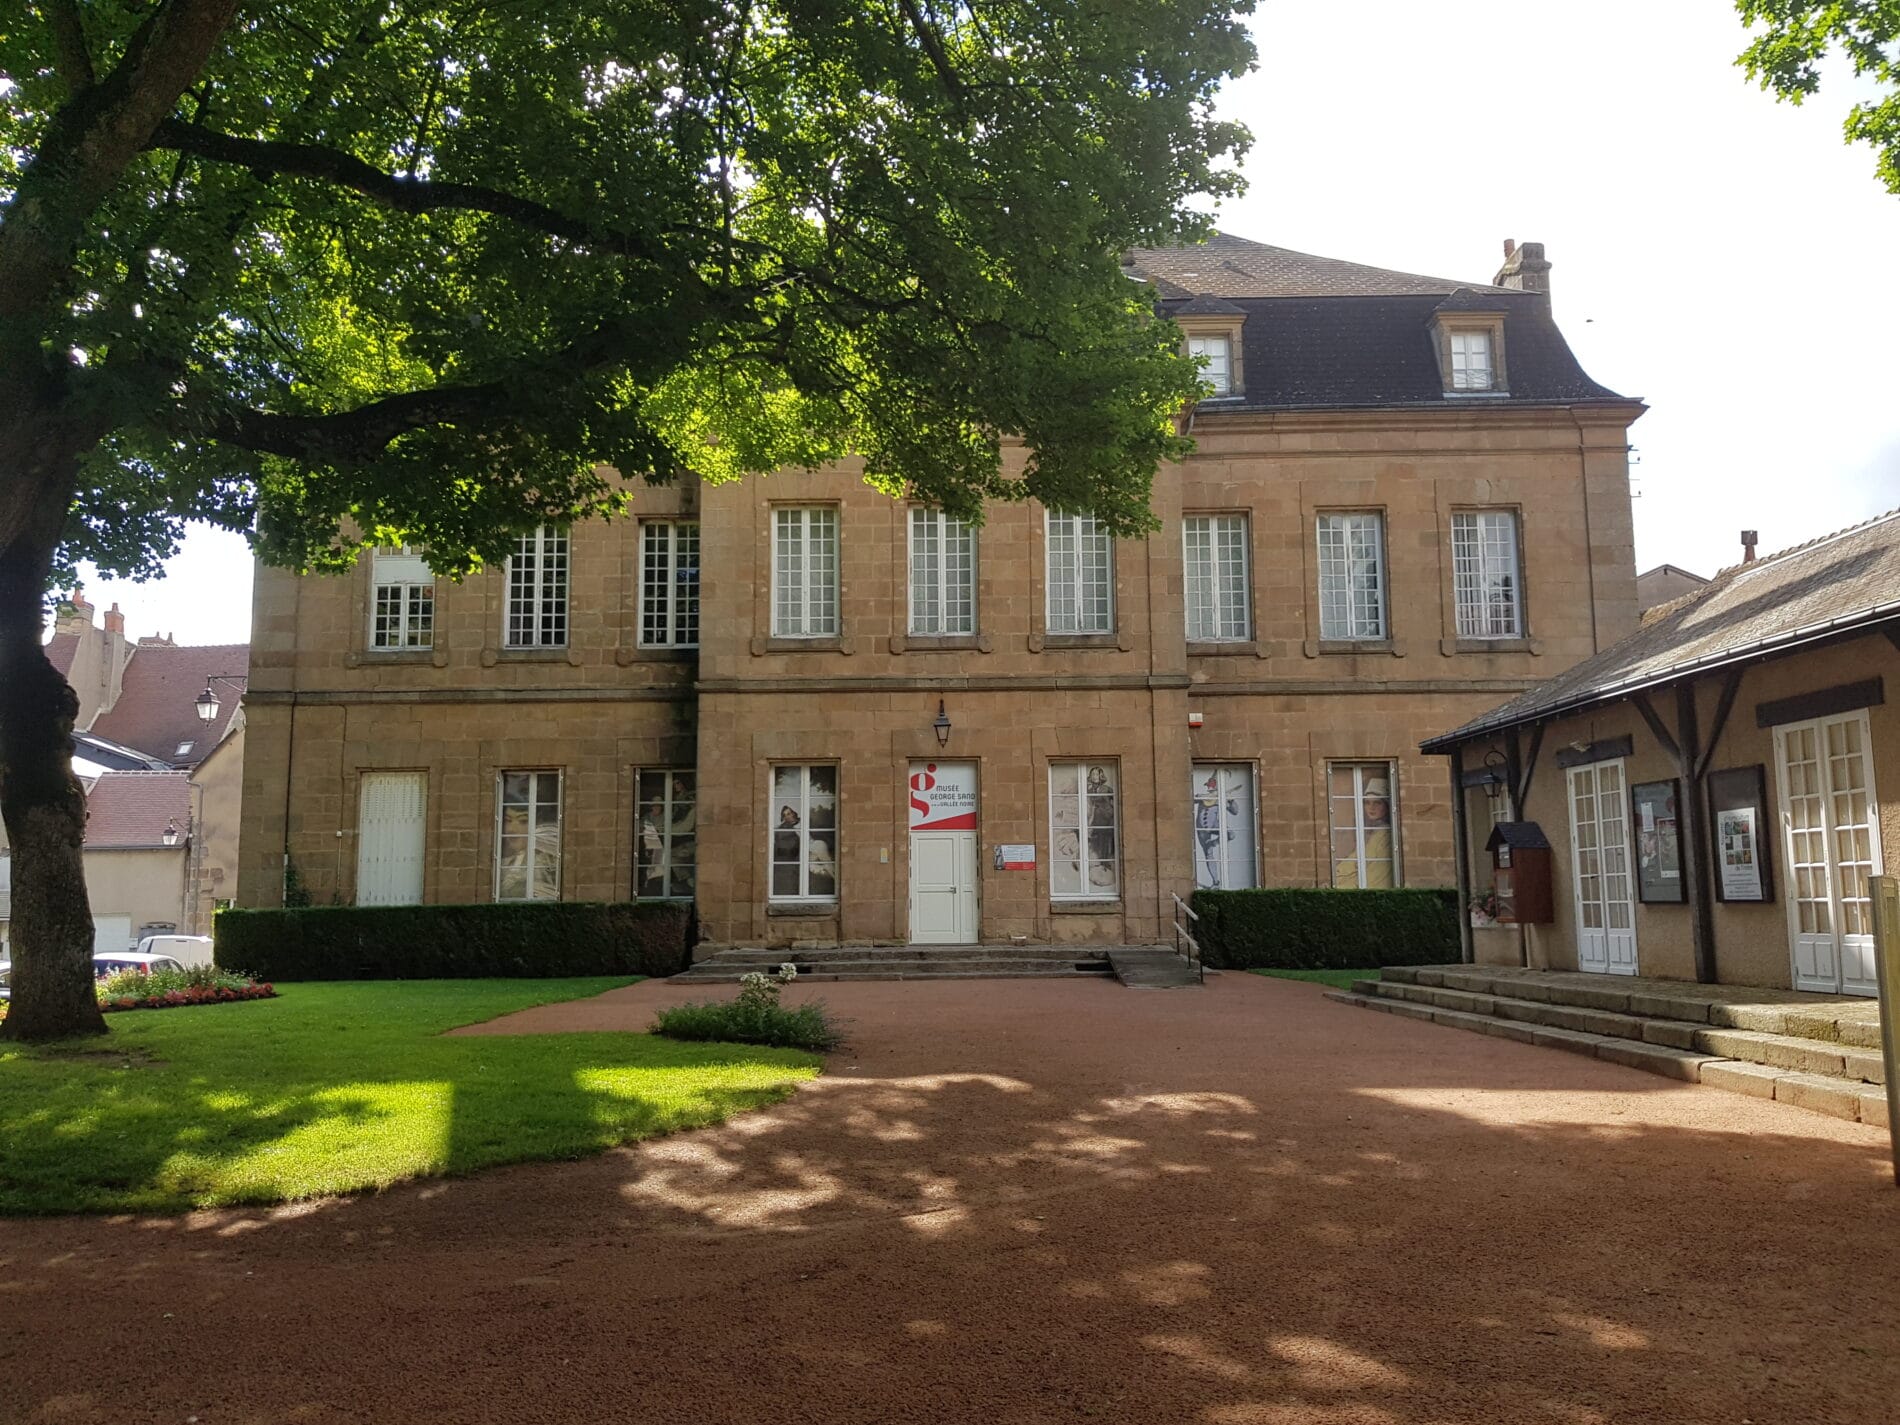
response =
{"points": [[139, 983], [1307, 929], [755, 1017]]}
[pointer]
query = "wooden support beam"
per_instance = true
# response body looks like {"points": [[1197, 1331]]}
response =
{"points": [[1461, 853], [1522, 791], [1662, 735], [1692, 836], [1731, 685]]}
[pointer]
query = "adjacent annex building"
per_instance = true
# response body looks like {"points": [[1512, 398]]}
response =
{"points": [[1710, 789], [826, 715]]}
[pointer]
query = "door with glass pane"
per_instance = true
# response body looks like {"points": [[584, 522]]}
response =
{"points": [[1600, 868], [1831, 832]]}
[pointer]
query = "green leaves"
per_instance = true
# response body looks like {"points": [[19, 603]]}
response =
{"points": [[1786, 58]]}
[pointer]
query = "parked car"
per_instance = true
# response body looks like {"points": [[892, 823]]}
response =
{"points": [[6, 980], [103, 965], [186, 949]]}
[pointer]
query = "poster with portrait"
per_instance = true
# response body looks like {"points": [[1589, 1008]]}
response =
{"points": [[1738, 816], [1658, 843]]}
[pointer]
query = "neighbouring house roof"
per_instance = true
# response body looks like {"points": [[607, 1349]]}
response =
{"points": [[1671, 569], [156, 713], [60, 649], [1323, 334], [132, 809], [116, 756], [1829, 586]]}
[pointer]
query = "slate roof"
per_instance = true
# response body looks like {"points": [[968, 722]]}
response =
{"points": [[1828, 586], [60, 649], [1321, 334], [155, 712], [125, 810]]}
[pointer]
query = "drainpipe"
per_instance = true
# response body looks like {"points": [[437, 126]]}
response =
{"points": [[1461, 854]]}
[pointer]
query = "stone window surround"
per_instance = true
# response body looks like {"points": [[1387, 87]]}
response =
{"points": [[1310, 513], [1216, 646], [350, 821], [1454, 496], [1221, 325], [1041, 640], [1492, 324]]}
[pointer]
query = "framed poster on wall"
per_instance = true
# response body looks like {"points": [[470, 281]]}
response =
{"points": [[1658, 842], [1738, 829]]}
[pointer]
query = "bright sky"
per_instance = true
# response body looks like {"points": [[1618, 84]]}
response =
{"points": [[1727, 258]]}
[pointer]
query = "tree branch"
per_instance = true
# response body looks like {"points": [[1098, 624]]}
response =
{"points": [[74, 60], [933, 46]]}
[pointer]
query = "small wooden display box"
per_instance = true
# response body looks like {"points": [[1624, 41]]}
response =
{"points": [[1520, 869]]}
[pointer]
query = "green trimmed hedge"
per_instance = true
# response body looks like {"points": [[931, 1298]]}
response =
{"points": [[1303, 929], [540, 940]]}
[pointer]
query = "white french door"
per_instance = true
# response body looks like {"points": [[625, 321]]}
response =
{"points": [[1831, 830], [1600, 868], [389, 837]]}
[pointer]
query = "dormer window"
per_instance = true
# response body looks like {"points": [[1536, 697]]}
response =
{"points": [[1472, 368], [1470, 348], [1216, 357]]}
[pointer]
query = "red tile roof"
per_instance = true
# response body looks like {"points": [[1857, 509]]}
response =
{"points": [[155, 712], [125, 809]]}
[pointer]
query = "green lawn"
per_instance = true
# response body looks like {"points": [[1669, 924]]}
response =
{"points": [[335, 1087], [1337, 979]]}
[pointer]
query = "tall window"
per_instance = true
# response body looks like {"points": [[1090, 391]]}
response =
{"points": [[1365, 841], [402, 605], [1352, 576], [667, 810], [942, 573], [1471, 365], [537, 590], [528, 836], [1214, 548], [1084, 831], [1218, 353], [1484, 574], [1081, 575], [805, 573], [803, 823], [1223, 802], [669, 585]]}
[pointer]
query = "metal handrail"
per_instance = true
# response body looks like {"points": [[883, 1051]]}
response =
{"points": [[1181, 933]]}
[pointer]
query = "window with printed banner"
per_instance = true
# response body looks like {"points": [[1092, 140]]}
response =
{"points": [[528, 836], [943, 797], [667, 830], [402, 603], [1222, 798], [803, 813], [1084, 831], [1365, 841]]}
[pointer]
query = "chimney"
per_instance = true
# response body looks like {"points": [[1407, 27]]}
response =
{"points": [[1524, 269], [115, 621], [1750, 538]]}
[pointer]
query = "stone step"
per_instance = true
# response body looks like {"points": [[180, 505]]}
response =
{"points": [[829, 977], [775, 958], [1836, 1096], [826, 967]]}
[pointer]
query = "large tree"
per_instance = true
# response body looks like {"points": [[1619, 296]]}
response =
{"points": [[1785, 57], [334, 271]]}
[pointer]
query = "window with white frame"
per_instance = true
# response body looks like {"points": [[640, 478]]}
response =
{"points": [[666, 832], [1217, 355], [805, 572], [537, 590], [402, 600], [528, 836], [1081, 575], [1214, 552], [1352, 576], [1365, 849], [669, 584], [802, 821], [1222, 798], [1472, 367], [942, 573], [1484, 574], [1084, 831]]}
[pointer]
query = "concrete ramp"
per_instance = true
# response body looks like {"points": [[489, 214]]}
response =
{"points": [[1148, 968]]}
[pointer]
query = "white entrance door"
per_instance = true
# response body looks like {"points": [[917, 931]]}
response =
{"points": [[1831, 823], [389, 838], [111, 934], [1600, 866], [942, 797]]}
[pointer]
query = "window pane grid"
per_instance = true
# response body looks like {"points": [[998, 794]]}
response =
{"points": [[1080, 564], [1218, 371], [803, 816], [528, 836], [1215, 558], [805, 573], [537, 590], [667, 833], [1484, 574], [1365, 843], [402, 603], [1471, 361], [1084, 831], [942, 574], [1351, 576]]}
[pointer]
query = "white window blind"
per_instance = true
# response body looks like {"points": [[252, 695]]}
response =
{"points": [[1214, 551], [402, 603], [1471, 366], [1365, 836], [1484, 564], [1081, 579], [942, 573], [1217, 352], [669, 584], [1352, 576], [802, 818], [528, 836], [537, 590], [390, 835], [805, 572]]}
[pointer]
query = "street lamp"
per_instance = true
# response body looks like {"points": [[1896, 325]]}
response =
{"points": [[941, 726], [208, 704], [171, 833]]}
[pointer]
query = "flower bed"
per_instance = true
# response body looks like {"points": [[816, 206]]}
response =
{"points": [[179, 999]]}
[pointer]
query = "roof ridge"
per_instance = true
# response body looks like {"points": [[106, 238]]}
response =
{"points": [[144, 771], [1760, 560]]}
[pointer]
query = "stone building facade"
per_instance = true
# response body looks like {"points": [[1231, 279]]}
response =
{"points": [[827, 715]]}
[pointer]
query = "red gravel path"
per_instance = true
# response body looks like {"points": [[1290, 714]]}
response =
{"points": [[1040, 1202]]}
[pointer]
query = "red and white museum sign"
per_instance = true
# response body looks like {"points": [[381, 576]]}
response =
{"points": [[943, 796]]}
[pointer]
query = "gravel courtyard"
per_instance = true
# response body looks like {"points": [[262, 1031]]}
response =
{"points": [[1038, 1201]]}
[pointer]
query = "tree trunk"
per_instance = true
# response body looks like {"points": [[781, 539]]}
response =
{"points": [[41, 800]]}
